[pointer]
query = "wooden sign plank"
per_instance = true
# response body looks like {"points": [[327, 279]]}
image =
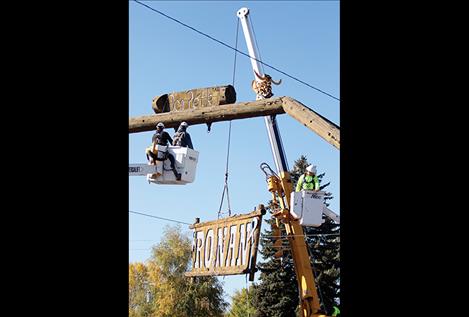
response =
{"points": [[194, 99], [226, 246]]}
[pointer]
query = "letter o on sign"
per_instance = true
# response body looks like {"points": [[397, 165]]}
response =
{"points": [[208, 247]]}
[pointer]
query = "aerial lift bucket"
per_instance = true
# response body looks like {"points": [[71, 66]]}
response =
{"points": [[308, 206], [185, 162]]}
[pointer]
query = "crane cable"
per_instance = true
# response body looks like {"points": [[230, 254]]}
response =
{"points": [[225, 187], [257, 45]]}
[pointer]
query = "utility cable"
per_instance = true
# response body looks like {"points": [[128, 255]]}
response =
{"points": [[141, 213], [229, 46]]}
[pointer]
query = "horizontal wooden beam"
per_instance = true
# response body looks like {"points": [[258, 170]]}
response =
{"points": [[240, 110], [320, 125]]}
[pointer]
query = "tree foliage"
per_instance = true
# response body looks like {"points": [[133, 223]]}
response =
{"points": [[160, 289], [324, 247], [242, 304], [277, 294], [139, 290]]}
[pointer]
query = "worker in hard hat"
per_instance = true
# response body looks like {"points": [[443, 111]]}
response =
{"points": [[182, 137], [309, 180], [161, 138]]}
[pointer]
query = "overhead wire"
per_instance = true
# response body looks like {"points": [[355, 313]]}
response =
{"points": [[229, 46], [284, 237], [303, 235], [264, 236], [152, 216]]}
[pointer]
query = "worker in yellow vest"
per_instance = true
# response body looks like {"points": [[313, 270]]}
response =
{"points": [[309, 180]]}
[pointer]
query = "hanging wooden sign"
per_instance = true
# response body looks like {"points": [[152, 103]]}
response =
{"points": [[226, 246], [194, 99]]}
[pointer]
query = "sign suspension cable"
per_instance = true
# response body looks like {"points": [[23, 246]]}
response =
{"points": [[225, 187]]}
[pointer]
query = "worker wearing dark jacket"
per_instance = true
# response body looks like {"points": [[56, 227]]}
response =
{"points": [[182, 137], [162, 137], [309, 180]]}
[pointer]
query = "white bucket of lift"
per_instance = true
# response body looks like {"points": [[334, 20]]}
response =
{"points": [[185, 161], [307, 206]]}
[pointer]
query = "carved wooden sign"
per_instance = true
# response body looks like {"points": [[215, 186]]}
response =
{"points": [[194, 99], [226, 246]]}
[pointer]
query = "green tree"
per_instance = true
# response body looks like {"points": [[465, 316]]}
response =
{"points": [[242, 304], [139, 292], [277, 294], [324, 246], [168, 292]]}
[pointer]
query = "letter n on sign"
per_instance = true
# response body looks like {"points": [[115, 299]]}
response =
{"points": [[226, 246]]}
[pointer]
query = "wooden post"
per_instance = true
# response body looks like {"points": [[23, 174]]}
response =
{"points": [[326, 129]]}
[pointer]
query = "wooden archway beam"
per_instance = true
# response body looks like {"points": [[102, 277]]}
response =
{"points": [[326, 129]]}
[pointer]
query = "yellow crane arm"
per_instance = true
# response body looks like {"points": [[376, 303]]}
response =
{"points": [[281, 187]]}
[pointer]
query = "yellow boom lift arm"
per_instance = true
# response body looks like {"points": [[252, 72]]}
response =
{"points": [[281, 187]]}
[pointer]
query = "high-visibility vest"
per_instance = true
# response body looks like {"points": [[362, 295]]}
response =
{"points": [[308, 182], [336, 311]]}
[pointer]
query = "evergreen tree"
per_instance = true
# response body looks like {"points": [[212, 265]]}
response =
{"points": [[277, 293], [324, 247]]}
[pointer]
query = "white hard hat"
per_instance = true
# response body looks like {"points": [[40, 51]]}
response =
{"points": [[311, 169], [160, 124], [184, 124]]}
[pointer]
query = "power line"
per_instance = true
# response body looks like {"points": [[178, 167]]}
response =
{"points": [[140, 213], [302, 235], [272, 236], [231, 47], [265, 236]]}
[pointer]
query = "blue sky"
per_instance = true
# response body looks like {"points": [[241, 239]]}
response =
{"points": [[300, 38]]}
